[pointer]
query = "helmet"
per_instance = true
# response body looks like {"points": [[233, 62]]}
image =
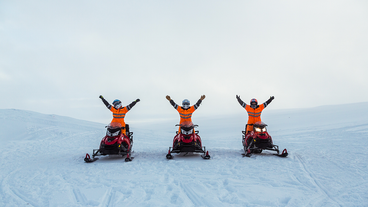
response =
{"points": [[253, 101], [186, 104], [116, 103]]}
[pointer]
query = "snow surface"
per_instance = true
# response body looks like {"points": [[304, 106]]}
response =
{"points": [[41, 162]]}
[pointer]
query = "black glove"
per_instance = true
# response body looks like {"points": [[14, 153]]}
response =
{"points": [[237, 97], [137, 100], [272, 97], [101, 97]]}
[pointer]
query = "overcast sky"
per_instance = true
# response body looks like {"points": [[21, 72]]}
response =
{"points": [[57, 57]]}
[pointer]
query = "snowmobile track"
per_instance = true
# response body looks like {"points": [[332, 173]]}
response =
{"points": [[315, 181]]}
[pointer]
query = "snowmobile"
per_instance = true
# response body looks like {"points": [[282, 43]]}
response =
{"points": [[258, 140], [114, 143], [187, 140]]}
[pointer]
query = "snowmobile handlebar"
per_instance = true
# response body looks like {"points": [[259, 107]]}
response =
{"points": [[181, 125], [115, 127]]}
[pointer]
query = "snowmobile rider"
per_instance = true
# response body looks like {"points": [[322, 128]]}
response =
{"points": [[186, 111], [254, 111], [118, 111]]}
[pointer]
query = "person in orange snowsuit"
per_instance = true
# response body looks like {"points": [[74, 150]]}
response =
{"points": [[118, 111], [254, 110], [185, 111]]}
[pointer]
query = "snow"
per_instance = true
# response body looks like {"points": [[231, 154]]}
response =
{"points": [[41, 159]]}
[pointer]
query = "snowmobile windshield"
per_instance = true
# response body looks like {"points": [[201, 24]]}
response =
{"points": [[187, 124], [114, 125], [186, 127]]}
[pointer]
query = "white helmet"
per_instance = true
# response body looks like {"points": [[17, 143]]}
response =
{"points": [[186, 104]]}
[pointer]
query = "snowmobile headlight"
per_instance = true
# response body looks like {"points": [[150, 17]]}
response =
{"points": [[258, 129]]}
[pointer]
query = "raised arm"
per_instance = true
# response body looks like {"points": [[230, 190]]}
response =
{"points": [[268, 101], [172, 102], [105, 102], [240, 101], [132, 104], [199, 102]]}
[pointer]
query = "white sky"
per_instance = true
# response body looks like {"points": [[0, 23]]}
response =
{"points": [[57, 57]]}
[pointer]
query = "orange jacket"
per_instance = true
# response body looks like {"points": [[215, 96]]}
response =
{"points": [[254, 115], [119, 115], [185, 115]]}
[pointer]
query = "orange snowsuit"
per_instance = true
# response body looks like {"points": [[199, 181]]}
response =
{"points": [[254, 115], [118, 116], [185, 115]]}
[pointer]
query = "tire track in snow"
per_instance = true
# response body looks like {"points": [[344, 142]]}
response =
{"points": [[6, 188], [108, 199], [79, 197], [315, 181], [192, 195]]}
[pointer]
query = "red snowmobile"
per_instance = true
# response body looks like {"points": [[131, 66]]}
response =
{"points": [[187, 140], [257, 140], [114, 143]]}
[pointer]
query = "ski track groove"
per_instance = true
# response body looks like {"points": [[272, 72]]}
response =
{"points": [[7, 189], [108, 199], [315, 181], [192, 195], [79, 197]]}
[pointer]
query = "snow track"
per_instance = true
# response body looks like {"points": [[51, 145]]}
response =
{"points": [[43, 165], [315, 182]]}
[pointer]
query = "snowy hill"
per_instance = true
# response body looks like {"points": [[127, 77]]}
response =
{"points": [[41, 159]]}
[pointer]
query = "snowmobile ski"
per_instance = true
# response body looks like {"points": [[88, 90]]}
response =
{"points": [[169, 156], [283, 154], [206, 156], [88, 158], [129, 158]]}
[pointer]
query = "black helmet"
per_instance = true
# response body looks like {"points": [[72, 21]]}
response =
{"points": [[253, 101]]}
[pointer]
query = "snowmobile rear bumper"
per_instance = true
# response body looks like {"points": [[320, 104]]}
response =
{"points": [[200, 150], [187, 147]]}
